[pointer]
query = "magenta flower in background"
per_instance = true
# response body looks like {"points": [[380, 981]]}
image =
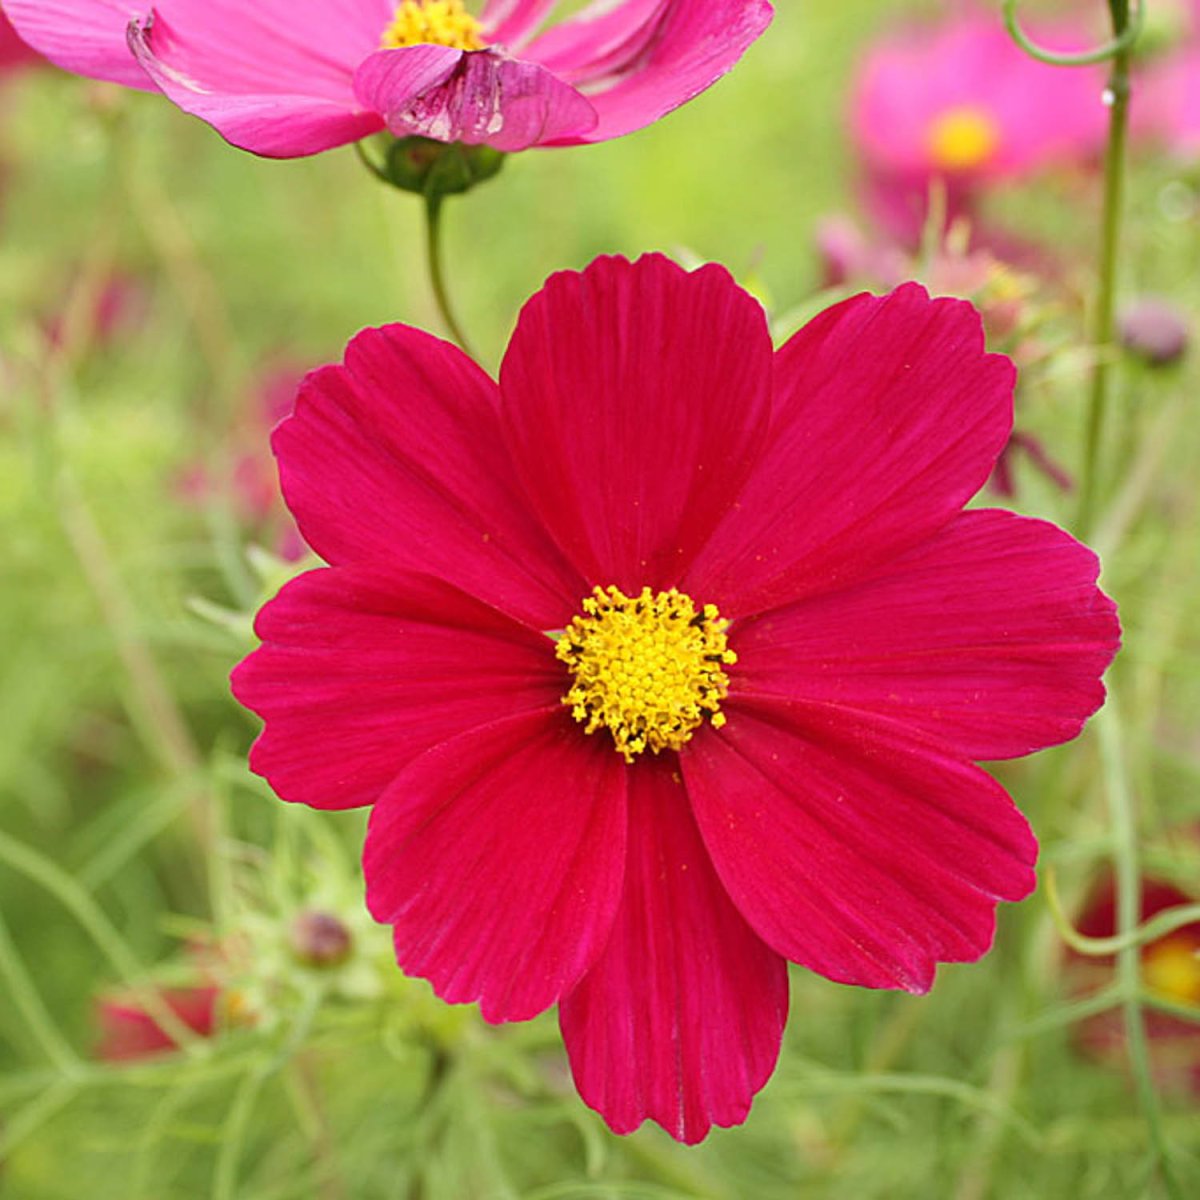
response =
{"points": [[244, 475], [284, 79], [1170, 970], [1168, 103], [960, 102], [14, 52], [666, 658]]}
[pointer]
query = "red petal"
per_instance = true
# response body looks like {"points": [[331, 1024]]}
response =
{"points": [[888, 418], [636, 397], [397, 457], [498, 859], [361, 671], [681, 1018], [989, 638], [852, 849]]}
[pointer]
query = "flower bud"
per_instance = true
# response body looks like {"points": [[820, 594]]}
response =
{"points": [[319, 939], [1154, 330], [433, 169]]}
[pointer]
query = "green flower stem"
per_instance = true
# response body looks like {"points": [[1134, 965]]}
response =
{"points": [[1127, 869], [1122, 41], [1117, 96], [433, 249]]}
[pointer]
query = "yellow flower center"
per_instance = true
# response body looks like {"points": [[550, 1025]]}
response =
{"points": [[647, 668], [1171, 969], [962, 138], [433, 23]]}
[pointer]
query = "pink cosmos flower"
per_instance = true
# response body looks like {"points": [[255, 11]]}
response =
{"points": [[284, 79], [1168, 103], [666, 658], [962, 103]]}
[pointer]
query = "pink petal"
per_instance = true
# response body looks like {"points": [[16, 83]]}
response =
{"points": [[511, 23], [601, 37], [684, 48], [397, 457], [265, 92], [888, 417], [362, 670], [476, 98], [681, 1018], [907, 82], [83, 36], [636, 397], [498, 859], [989, 638], [851, 847]]}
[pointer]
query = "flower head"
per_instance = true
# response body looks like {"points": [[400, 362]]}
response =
{"points": [[961, 103], [283, 80], [1170, 971], [129, 1032], [665, 659]]}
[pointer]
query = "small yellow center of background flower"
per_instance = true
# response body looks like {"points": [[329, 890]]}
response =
{"points": [[962, 138], [648, 668], [433, 23], [1171, 968]]}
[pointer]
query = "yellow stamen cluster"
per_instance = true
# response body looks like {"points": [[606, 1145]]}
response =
{"points": [[1171, 968], [962, 138], [433, 23], [647, 668]]}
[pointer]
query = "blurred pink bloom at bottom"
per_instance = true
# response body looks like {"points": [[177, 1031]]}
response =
{"points": [[129, 1032], [1170, 968]]}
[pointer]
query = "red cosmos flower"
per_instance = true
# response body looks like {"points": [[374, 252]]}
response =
{"points": [[285, 79], [664, 660], [1170, 968]]}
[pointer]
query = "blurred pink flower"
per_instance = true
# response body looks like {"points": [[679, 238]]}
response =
{"points": [[245, 471], [128, 1032], [116, 306], [283, 79], [1166, 105], [962, 104]]}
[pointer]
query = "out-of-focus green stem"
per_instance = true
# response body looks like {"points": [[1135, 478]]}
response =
{"points": [[433, 248], [1127, 869], [1117, 98]]}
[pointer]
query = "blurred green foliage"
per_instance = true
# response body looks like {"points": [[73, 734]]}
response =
{"points": [[131, 828]]}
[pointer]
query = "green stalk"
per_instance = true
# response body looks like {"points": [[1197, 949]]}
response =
{"points": [[433, 249], [1117, 97], [1127, 869]]}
